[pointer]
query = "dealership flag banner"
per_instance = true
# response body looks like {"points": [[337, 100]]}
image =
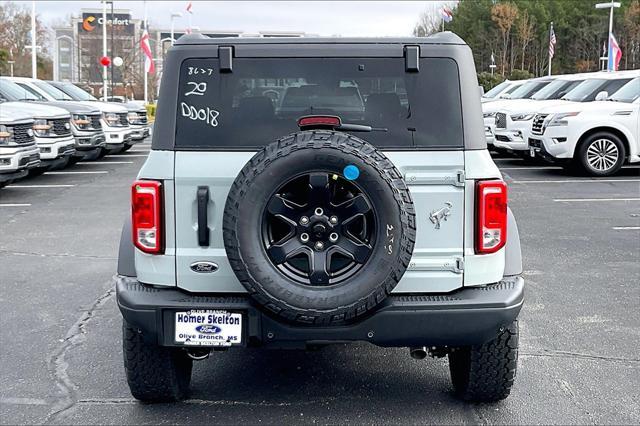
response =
{"points": [[146, 49], [552, 45], [189, 9], [615, 53], [447, 14]]}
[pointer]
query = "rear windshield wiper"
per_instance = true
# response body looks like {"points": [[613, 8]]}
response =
{"points": [[360, 128]]}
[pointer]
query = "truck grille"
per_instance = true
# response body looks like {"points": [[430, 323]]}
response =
{"points": [[95, 122], [501, 120], [142, 117], [122, 119], [21, 134], [537, 128], [61, 127]]}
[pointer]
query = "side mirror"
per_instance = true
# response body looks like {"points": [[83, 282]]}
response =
{"points": [[602, 96], [481, 90]]}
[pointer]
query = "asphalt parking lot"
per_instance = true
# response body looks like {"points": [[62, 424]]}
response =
{"points": [[61, 359]]}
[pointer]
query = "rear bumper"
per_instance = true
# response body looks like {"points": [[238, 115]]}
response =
{"points": [[464, 317]]}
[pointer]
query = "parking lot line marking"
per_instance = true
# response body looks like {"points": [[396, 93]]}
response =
{"points": [[627, 228], [90, 163], [578, 200], [93, 172], [508, 159], [128, 156], [40, 186], [530, 168], [576, 181], [15, 205]]}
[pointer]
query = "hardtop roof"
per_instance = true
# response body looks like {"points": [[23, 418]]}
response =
{"points": [[446, 37]]}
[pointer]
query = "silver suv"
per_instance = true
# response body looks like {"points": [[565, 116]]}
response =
{"points": [[306, 192]]}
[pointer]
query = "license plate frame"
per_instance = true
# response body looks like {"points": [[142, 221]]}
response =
{"points": [[208, 328]]}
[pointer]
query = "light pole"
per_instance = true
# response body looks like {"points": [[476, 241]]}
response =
{"points": [[34, 68], [105, 76], [174, 15], [610, 6]]}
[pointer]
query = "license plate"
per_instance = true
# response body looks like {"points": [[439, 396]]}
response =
{"points": [[208, 328]]}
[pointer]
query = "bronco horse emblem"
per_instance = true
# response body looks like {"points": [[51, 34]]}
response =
{"points": [[440, 215]]}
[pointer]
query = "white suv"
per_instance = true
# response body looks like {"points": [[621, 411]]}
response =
{"points": [[598, 137], [513, 122], [524, 91]]}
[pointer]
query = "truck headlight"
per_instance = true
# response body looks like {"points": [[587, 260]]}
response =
{"points": [[42, 127], [522, 117], [81, 121], [111, 118], [5, 134], [559, 119], [133, 117], [488, 114]]}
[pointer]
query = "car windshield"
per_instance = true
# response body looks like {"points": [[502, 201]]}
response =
{"points": [[627, 93], [57, 94], [75, 92], [12, 92], [263, 98], [496, 90], [584, 90], [32, 91], [556, 89], [527, 90]]}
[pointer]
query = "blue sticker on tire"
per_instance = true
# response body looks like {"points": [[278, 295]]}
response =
{"points": [[351, 172]]}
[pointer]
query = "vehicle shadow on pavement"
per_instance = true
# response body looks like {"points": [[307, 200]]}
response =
{"points": [[292, 377]]}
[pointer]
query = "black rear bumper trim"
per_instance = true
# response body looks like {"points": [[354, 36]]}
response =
{"points": [[471, 315]]}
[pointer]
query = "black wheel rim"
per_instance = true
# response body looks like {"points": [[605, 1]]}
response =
{"points": [[318, 229]]}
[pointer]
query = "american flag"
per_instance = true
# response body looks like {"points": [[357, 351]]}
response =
{"points": [[552, 43]]}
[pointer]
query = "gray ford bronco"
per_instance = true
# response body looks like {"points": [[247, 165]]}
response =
{"points": [[303, 192]]}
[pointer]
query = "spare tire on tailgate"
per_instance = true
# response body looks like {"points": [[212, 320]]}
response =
{"points": [[319, 227]]}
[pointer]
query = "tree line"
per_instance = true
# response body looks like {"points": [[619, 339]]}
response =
{"points": [[517, 33]]}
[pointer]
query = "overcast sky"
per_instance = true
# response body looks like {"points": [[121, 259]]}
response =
{"points": [[345, 18]]}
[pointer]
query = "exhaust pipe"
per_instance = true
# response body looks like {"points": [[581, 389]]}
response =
{"points": [[198, 354], [418, 353]]}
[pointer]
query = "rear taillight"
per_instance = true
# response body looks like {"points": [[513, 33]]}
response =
{"points": [[146, 219], [491, 216]]}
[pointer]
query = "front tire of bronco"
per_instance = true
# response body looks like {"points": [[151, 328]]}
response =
{"points": [[154, 373], [485, 373]]}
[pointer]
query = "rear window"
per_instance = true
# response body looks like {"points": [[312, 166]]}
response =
{"points": [[262, 99]]}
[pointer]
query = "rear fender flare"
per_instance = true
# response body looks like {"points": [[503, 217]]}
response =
{"points": [[513, 252], [126, 252]]}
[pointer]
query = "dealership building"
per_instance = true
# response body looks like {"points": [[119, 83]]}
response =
{"points": [[78, 48]]}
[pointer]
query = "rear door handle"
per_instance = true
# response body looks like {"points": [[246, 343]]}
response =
{"points": [[203, 226]]}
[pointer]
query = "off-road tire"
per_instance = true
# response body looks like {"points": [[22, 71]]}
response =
{"points": [[485, 373], [154, 373], [581, 153], [126, 148], [272, 290]]}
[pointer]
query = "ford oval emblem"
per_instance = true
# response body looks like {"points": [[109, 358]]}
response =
{"points": [[204, 267], [208, 328]]}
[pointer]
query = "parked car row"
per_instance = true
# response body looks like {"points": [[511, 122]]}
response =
{"points": [[587, 122], [47, 125]]}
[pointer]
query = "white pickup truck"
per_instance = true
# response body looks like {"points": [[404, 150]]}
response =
{"points": [[596, 137], [18, 149]]}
